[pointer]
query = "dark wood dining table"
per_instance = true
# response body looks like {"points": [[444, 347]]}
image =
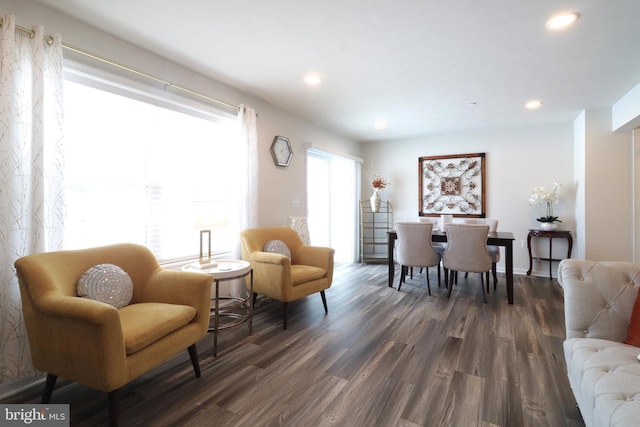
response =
{"points": [[499, 238]]}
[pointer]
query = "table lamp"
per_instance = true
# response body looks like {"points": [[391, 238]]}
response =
{"points": [[208, 215]]}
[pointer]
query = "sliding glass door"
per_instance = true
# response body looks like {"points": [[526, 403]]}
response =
{"points": [[332, 202]]}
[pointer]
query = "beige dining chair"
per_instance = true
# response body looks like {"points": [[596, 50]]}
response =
{"points": [[494, 251], [415, 249], [438, 246], [467, 252]]}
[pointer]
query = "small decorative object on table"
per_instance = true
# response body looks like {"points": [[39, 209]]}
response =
{"points": [[541, 195], [377, 184]]}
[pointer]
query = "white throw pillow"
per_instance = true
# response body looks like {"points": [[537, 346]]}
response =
{"points": [[106, 283], [278, 247]]}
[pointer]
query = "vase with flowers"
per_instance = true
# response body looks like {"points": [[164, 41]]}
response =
{"points": [[377, 184], [541, 195]]}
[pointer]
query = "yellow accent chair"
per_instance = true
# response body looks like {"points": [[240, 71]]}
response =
{"points": [[94, 343], [309, 270]]}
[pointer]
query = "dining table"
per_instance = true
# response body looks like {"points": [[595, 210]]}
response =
{"points": [[497, 238]]}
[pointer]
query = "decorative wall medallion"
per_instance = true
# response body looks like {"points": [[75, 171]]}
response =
{"points": [[452, 185]]}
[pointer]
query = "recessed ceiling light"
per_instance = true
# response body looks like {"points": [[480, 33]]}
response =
{"points": [[380, 124], [312, 80], [562, 20], [533, 104]]}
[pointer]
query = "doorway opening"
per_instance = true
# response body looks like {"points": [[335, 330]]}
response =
{"points": [[332, 202]]}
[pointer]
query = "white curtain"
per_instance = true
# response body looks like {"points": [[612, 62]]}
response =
{"points": [[245, 198], [31, 162]]}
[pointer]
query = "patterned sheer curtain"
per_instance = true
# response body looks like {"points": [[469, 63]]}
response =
{"points": [[248, 201], [245, 202], [31, 185]]}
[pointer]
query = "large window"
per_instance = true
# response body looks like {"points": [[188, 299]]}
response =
{"points": [[135, 169]]}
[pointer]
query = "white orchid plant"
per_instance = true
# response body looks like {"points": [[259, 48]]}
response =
{"points": [[541, 195]]}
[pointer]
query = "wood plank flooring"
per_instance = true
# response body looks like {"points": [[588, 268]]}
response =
{"points": [[379, 358]]}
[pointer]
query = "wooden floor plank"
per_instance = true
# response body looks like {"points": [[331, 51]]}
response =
{"points": [[378, 358]]}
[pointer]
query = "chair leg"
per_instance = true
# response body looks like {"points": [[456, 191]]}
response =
{"points": [[495, 276], [428, 285], [487, 274], [484, 295], [324, 302], [403, 270], [114, 407], [438, 274], [450, 285], [193, 355], [48, 388], [285, 309]]}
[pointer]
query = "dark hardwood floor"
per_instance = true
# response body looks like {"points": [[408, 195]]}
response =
{"points": [[379, 358]]}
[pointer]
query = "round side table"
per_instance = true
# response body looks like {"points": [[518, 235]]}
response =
{"points": [[228, 269]]}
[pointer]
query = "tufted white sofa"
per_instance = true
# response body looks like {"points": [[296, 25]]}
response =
{"points": [[604, 373]]}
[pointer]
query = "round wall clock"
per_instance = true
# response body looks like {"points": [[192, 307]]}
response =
{"points": [[281, 151]]}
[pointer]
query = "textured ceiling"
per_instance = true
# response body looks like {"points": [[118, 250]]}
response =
{"points": [[423, 66]]}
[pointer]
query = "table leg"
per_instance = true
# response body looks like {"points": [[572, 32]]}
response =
{"points": [[550, 256], [390, 244], [508, 251], [216, 313], [530, 255]]}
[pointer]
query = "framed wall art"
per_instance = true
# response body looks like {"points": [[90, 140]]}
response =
{"points": [[452, 185]]}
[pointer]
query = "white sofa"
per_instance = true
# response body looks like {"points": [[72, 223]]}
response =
{"points": [[604, 373]]}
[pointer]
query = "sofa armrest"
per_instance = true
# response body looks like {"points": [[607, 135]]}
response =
{"points": [[270, 258], [78, 309], [181, 287], [271, 274], [78, 338], [599, 297], [317, 256]]}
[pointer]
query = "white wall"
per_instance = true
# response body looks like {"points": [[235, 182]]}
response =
{"points": [[277, 186], [579, 155], [626, 111], [517, 160], [608, 184]]}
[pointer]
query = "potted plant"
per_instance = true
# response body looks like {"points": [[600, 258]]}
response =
{"points": [[541, 195]]}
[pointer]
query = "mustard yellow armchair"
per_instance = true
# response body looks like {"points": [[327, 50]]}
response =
{"points": [[94, 343], [309, 270]]}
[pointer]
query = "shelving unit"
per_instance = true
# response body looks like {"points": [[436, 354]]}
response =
{"points": [[373, 232]]}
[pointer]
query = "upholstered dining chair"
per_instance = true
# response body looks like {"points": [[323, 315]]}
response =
{"points": [[438, 246], [415, 249], [467, 252], [104, 316], [494, 251], [285, 269]]}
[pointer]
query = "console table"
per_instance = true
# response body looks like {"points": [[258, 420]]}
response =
{"points": [[548, 234]]}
